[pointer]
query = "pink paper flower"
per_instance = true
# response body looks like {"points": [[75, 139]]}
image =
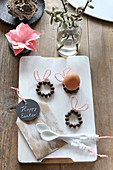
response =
{"points": [[23, 37]]}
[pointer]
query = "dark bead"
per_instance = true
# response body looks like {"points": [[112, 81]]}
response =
{"points": [[67, 115], [66, 118], [42, 94], [40, 83], [78, 125], [44, 82], [64, 88], [72, 111], [52, 91], [48, 82], [38, 86], [71, 92], [51, 85], [70, 125], [39, 93], [37, 89], [74, 126], [52, 88], [67, 122], [75, 91], [46, 95], [80, 121], [78, 114], [79, 118], [49, 94]]}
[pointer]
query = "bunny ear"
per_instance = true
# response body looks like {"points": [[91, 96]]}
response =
{"points": [[66, 71], [74, 97], [46, 74], [36, 73], [58, 77], [84, 107]]}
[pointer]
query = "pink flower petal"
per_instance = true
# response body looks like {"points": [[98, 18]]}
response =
{"points": [[34, 36], [25, 33], [17, 51], [23, 37], [11, 36], [22, 29], [19, 45], [32, 46]]}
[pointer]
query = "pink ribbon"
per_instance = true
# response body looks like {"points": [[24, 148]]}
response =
{"points": [[81, 108], [101, 156], [65, 72], [104, 137], [19, 94], [45, 77]]}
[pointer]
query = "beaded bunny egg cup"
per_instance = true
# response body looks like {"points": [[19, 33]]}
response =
{"points": [[75, 112], [44, 82], [70, 80]]}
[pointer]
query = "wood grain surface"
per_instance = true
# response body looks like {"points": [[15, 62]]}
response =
{"points": [[97, 43]]}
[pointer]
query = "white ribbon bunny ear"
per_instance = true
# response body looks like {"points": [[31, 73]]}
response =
{"points": [[66, 71], [36, 75]]}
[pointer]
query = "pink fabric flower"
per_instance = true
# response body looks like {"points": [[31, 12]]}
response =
{"points": [[23, 37]]}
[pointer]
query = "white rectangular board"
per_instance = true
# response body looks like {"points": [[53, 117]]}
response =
{"points": [[59, 103]]}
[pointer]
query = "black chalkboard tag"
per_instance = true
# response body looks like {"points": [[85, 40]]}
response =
{"points": [[28, 111]]}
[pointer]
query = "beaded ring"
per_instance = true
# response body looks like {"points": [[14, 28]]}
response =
{"points": [[70, 80], [75, 112], [44, 82], [79, 117]]}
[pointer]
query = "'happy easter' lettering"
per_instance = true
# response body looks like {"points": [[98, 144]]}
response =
{"points": [[25, 109]]}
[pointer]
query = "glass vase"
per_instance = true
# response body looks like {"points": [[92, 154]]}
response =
{"points": [[68, 40]]}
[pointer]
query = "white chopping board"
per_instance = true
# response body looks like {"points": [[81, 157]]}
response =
{"points": [[59, 103], [103, 9]]}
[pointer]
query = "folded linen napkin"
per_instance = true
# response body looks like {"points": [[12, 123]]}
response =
{"points": [[39, 147]]}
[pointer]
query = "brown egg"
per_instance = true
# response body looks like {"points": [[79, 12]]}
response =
{"points": [[71, 81]]}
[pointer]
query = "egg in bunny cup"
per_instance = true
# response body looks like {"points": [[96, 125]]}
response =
{"points": [[70, 80]]}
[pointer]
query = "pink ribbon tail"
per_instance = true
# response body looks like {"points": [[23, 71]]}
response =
{"points": [[101, 156], [104, 137]]}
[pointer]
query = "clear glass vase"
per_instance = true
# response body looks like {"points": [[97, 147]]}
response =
{"points": [[68, 40]]}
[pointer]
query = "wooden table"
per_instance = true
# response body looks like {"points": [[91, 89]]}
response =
{"points": [[97, 43]]}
